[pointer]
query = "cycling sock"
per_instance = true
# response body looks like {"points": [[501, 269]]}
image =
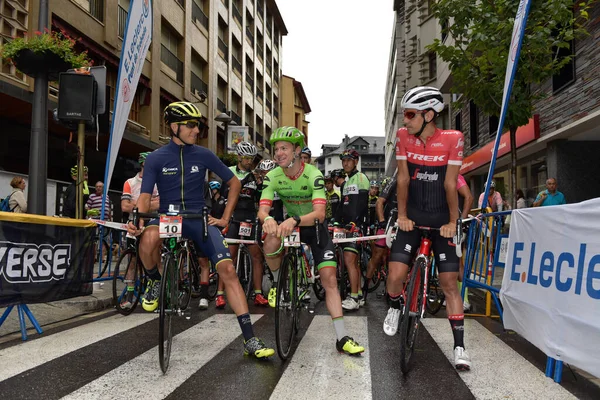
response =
{"points": [[466, 299], [340, 328], [246, 325], [457, 322], [354, 295], [257, 291], [395, 300], [360, 293], [153, 274], [203, 290], [220, 293]]}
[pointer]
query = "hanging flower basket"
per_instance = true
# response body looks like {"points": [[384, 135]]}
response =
{"points": [[46, 53]]}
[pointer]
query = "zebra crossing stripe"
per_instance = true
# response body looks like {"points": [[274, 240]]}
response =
{"points": [[322, 371], [22, 357], [497, 370], [190, 350]]}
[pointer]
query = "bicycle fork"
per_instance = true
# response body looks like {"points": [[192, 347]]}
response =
{"points": [[424, 251]]}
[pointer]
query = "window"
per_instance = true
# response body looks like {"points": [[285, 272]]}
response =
{"points": [[493, 123], [199, 74], [169, 52], [329, 161], [566, 75], [432, 66], [473, 121], [458, 122], [444, 26], [200, 12]]}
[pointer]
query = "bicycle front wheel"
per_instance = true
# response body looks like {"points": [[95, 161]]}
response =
{"points": [[411, 317], [285, 308], [435, 294], [168, 304], [103, 257], [186, 277], [342, 273], [128, 283]]}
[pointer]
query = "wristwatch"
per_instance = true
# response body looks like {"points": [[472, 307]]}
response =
{"points": [[297, 219]]}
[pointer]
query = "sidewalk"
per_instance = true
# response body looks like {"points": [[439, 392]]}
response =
{"points": [[57, 311]]}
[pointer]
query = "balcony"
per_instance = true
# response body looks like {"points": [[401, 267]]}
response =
{"points": [[249, 82], [260, 10], [236, 118], [224, 52], [269, 65], [249, 36], [172, 62], [97, 9], [237, 15], [259, 95], [122, 21], [198, 15], [269, 25], [198, 84], [181, 3], [237, 65], [268, 106], [276, 113], [221, 105]]}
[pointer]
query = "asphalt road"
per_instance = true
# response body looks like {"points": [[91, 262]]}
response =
{"points": [[108, 356]]}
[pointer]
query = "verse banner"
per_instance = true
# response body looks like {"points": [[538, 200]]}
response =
{"points": [[44, 259], [551, 287]]}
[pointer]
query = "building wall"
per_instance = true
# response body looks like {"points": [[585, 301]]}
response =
{"points": [[292, 109], [192, 35]]}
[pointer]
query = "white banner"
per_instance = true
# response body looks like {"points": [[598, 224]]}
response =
{"points": [[551, 286], [138, 35]]}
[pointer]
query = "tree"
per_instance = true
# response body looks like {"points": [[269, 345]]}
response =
{"points": [[476, 48]]}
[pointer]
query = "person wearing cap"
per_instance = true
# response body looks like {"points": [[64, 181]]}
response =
{"points": [[494, 198], [70, 195], [333, 198]]}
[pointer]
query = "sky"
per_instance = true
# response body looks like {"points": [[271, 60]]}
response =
{"points": [[339, 50]]}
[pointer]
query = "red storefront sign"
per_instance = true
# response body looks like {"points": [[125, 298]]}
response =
{"points": [[525, 134]]}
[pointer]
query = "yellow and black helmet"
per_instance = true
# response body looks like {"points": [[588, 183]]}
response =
{"points": [[181, 111]]}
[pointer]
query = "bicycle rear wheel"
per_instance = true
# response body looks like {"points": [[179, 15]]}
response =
{"points": [[435, 294], [286, 307], [103, 258], [213, 282], [411, 316], [244, 271], [168, 304], [128, 281], [319, 289], [342, 273]]}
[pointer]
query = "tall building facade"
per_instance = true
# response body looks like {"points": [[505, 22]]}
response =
{"points": [[560, 141], [294, 105], [223, 55]]}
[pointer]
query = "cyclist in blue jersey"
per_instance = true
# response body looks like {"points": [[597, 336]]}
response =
{"points": [[306, 155], [178, 169]]}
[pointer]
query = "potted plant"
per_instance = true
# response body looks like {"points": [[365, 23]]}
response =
{"points": [[47, 53]]}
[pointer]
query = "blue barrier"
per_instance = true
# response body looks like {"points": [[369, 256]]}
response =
{"points": [[22, 309], [481, 257]]}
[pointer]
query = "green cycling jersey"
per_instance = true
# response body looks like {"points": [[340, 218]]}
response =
{"points": [[298, 195]]}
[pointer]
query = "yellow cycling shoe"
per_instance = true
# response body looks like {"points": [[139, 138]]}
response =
{"points": [[273, 297], [257, 348], [349, 346], [150, 300]]}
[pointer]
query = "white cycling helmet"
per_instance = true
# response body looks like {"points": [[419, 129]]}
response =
{"points": [[246, 149], [266, 165], [423, 98]]}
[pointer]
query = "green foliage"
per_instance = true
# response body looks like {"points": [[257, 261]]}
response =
{"points": [[228, 159], [56, 42], [479, 35]]}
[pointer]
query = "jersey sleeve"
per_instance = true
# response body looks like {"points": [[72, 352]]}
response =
{"points": [[216, 165], [268, 192], [126, 191], [389, 189], [318, 188], [151, 171], [401, 139], [455, 156]]}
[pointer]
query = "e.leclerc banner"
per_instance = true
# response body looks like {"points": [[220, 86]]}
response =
{"points": [[551, 286], [511, 68], [138, 35]]}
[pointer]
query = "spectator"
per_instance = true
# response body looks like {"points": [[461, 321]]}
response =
{"points": [[494, 199], [18, 201], [521, 202], [550, 196], [94, 203], [70, 194]]}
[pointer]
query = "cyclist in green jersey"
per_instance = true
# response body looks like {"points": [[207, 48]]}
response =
{"points": [[300, 187]]}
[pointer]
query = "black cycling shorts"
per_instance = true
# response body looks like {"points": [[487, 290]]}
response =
{"points": [[324, 252]]}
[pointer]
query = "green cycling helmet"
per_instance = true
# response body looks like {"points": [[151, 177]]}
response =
{"points": [[142, 157], [287, 134]]}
